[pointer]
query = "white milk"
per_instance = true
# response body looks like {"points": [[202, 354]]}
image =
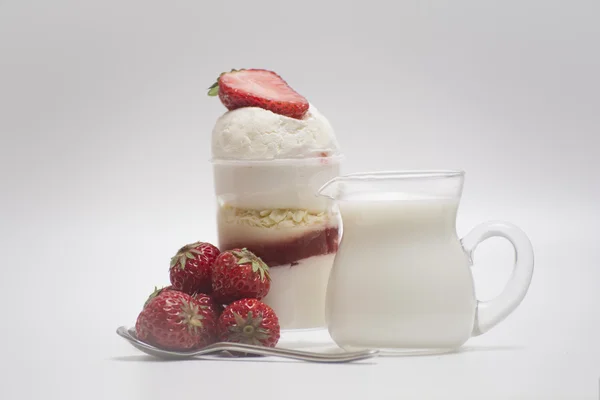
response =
{"points": [[401, 279]]}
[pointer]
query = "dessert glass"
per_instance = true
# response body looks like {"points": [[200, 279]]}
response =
{"points": [[271, 207]]}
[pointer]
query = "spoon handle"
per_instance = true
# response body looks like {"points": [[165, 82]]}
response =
{"points": [[291, 354]]}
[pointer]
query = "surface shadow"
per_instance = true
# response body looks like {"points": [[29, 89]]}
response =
{"points": [[461, 350], [470, 349], [141, 358], [281, 360], [147, 358]]}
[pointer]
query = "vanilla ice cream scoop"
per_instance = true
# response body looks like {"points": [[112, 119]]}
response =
{"points": [[252, 133]]}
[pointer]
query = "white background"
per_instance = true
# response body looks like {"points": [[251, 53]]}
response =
{"points": [[105, 140]]}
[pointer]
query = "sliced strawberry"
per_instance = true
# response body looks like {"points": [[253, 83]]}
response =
{"points": [[258, 88]]}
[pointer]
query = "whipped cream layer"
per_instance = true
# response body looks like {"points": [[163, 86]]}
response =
{"points": [[290, 184], [253, 133]]}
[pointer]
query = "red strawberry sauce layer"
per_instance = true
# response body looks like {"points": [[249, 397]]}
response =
{"points": [[287, 252]]}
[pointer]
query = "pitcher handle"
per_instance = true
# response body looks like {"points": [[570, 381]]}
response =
{"points": [[489, 313]]}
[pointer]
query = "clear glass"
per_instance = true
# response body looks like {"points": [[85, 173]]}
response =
{"points": [[272, 208], [401, 280]]}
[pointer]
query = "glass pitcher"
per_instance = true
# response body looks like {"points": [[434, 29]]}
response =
{"points": [[401, 280]]}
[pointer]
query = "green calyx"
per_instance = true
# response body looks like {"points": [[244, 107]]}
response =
{"points": [[187, 252], [213, 90], [156, 292], [190, 316], [248, 330], [245, 256]]}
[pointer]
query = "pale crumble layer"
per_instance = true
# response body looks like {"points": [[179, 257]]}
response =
{"points": [[273, 218]]}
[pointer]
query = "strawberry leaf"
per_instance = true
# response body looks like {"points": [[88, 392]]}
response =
{"points": [[188, 314], [239, 254], [155, 293], [246, 256], [256, 322], [214, 89], [239, 321], [244, 260], [261, 334]]}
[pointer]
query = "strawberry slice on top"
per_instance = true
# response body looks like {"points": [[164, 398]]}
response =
{"points": [[258, 88]]}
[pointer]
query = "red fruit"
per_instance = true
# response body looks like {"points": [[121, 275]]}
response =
{"points": [[249, 321], [175, 321], [156, 292], [258, 88], [208, 302], [190, 269], [238, 274]]}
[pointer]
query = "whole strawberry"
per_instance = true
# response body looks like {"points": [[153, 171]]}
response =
{"points": [[175, 321], [156, 292], [190, 269], [238, 274], [258, 88], [249, 321], [208, 302]]}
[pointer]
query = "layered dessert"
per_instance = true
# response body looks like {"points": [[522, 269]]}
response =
{"points": [[272, 151]]}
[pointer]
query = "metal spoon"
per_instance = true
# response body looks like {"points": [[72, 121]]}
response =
{"points": [[130, 336]]}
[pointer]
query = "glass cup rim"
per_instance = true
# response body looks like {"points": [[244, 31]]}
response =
{"points": [[278, 161], [405, 174]]}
